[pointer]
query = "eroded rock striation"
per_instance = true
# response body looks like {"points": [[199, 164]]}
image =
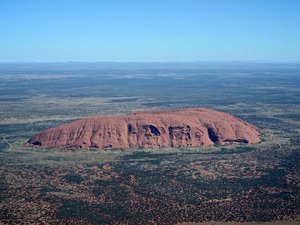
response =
{"points": [[150, 129]]}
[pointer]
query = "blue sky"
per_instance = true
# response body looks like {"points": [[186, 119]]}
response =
{"points": [[152, 30]]}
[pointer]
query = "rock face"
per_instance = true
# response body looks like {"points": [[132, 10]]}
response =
{"points": [[150, 129]]}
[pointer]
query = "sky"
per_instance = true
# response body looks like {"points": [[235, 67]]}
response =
{"points": [[149, 30]]}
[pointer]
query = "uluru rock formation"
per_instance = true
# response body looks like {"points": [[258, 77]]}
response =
{"points": [[150, 129]]}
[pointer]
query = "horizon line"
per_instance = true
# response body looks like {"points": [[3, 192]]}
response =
{"points": [[171, 61]]}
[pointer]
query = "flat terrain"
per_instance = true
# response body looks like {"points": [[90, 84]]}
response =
{"points": [[281, 222], [245, 184]]}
